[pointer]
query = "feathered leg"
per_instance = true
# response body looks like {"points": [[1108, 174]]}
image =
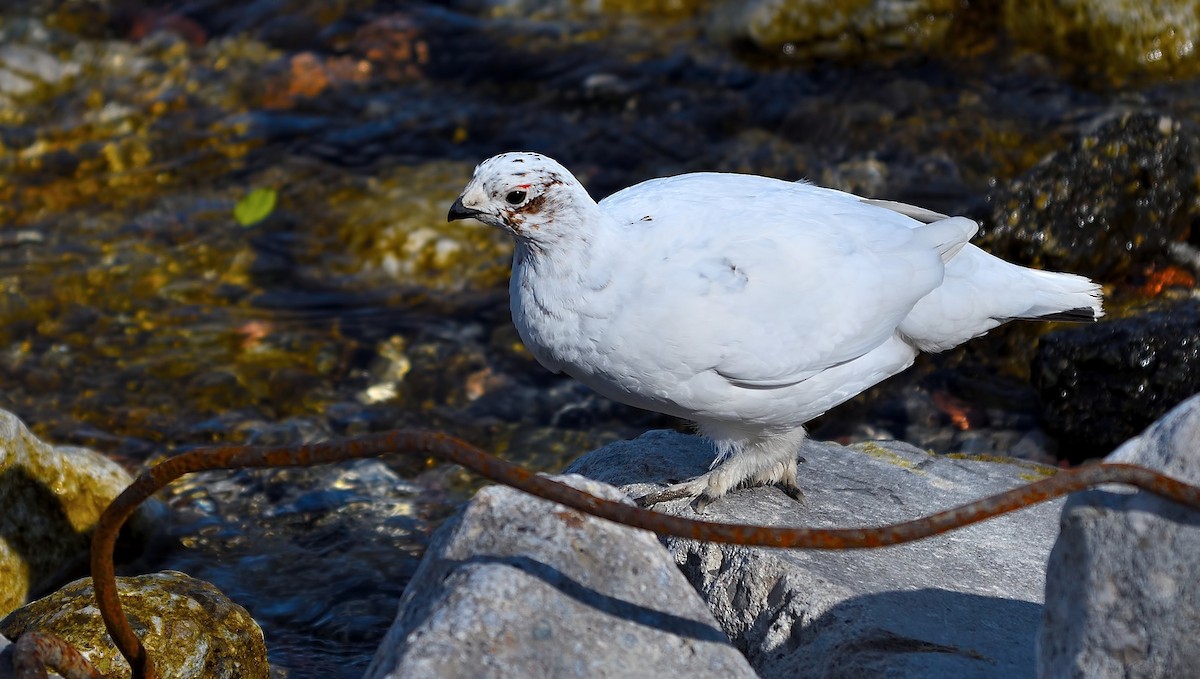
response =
{"points": [[761, 461]]}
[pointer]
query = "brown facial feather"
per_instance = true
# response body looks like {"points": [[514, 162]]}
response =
{"points": [[534, 205]]}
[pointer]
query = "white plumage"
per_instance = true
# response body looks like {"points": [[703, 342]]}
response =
{"points": [[746, 304]]}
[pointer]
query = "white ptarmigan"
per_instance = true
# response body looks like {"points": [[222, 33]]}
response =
{"points": [[745, 304]]}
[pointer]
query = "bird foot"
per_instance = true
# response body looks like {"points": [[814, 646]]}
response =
{"points": [[793, 491], [698, 488]]}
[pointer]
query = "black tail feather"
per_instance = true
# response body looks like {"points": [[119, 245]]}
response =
{"points": [[1081, 314]]}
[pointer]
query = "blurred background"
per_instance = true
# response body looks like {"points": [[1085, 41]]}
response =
{"points": [[225, 222]]}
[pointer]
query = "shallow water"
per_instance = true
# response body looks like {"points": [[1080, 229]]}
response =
{"points": [[139, 317]]}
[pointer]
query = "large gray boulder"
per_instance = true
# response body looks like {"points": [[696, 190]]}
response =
{"points": [[1123, 582], [963, 604], [515, 586]]}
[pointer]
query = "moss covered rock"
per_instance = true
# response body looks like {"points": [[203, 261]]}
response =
{"points": [[190, 629], [50, 500], [839, 29], [1119, 37]]}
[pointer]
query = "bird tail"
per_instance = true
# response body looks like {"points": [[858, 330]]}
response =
{"points": [[1061, 297], [979, 292]]}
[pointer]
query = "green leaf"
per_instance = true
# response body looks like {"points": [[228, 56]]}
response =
{"points": [[255, 207]]}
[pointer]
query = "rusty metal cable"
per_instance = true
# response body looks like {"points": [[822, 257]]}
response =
{"points": [[452, 449], [34, 651]]}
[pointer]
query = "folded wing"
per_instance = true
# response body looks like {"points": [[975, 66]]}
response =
{"points": [[796, 294]]}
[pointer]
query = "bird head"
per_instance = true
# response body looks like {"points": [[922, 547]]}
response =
{"points": [[526, 194]]}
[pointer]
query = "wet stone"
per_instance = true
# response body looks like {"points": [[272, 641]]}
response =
{"points": [[1101, 384], [1115, 199], [318, 555], [190, 629]]}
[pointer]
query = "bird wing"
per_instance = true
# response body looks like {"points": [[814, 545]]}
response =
{"points": [[768, 282], [923, 215]]}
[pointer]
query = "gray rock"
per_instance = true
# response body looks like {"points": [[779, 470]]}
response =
{"points": [[1123, 582], [515, 586], [963, 604]]}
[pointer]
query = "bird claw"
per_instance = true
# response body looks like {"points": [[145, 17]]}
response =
{"points": [[793, 492], [701, 503]]}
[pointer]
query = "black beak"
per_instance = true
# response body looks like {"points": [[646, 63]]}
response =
{"points": [[457, 211]]}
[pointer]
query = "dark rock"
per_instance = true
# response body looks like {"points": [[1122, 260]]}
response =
{"points": [[1101, 384], [518, 586], [1116, 199], [6, 668], [190, 629], [1123, 581], [962, 604]]}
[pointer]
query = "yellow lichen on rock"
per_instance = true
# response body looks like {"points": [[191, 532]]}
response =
{"points": [[191, 630], [50, 499], [880, 453], [842, 29], [1121, 38]]}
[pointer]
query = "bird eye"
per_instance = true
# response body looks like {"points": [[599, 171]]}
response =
{"points": [[515, 197]]}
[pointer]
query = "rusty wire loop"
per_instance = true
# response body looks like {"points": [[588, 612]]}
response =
{"points": [[35, 651], [455, 450]]}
